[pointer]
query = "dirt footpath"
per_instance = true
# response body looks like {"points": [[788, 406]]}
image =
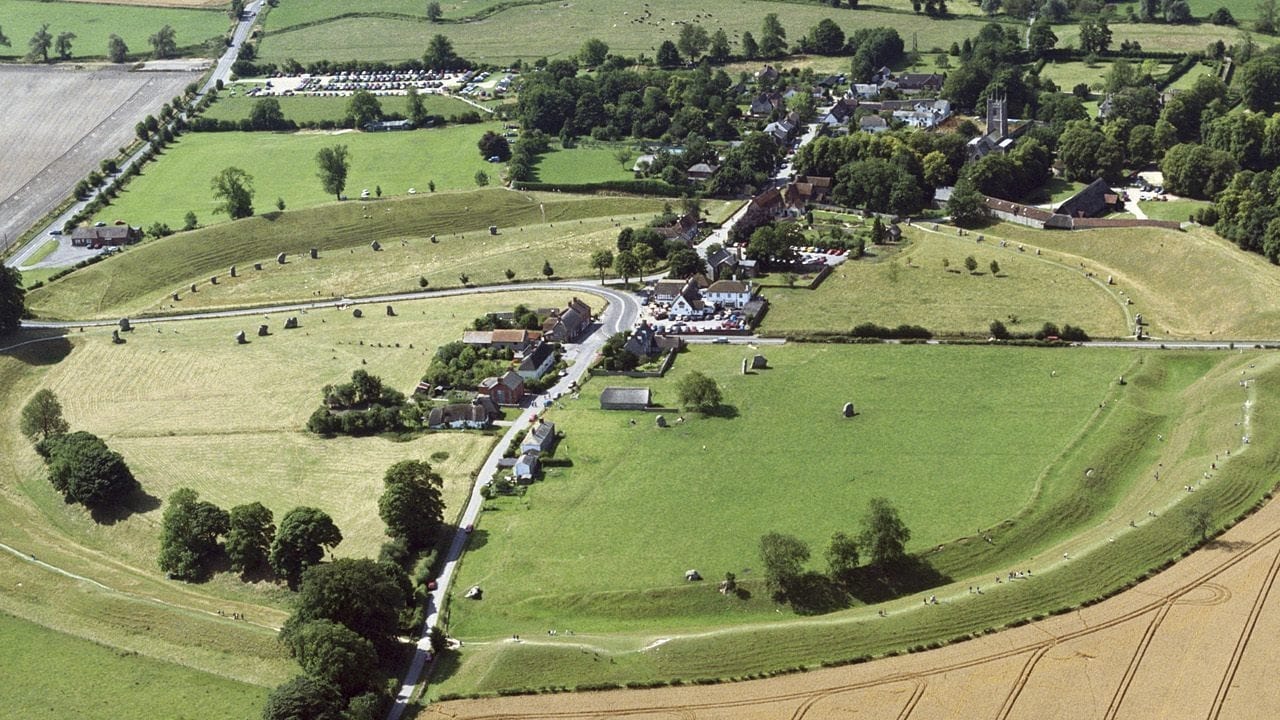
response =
{"points": [[59, 123], [1193, 642]]}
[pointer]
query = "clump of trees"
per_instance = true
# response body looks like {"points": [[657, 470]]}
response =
{"points": [[615, 357], [699, 392], [459, 365], [361, 407], [80, 464]]}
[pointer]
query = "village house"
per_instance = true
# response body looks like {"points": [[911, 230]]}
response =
{"points": [[664, 291], [684, 229], [924, 114], [701, 172], [527, 467], [625, 398], [458, 416], [763, 105], [780, 130], [840, 112], [917, 83], [505, 390], [537, 362], [689, 302], [106, 235], [866, 91], [768, 73], [643, 163], [518, 341], [540, 438], [645, 342], [729, 293], [873, 124], [566, 325]]}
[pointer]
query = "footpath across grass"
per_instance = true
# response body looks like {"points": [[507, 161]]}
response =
{"points": [[47, 672], [94, 23], [283, 165]]}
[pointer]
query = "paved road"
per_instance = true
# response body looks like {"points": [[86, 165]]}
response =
{"points": [[221, 71]]}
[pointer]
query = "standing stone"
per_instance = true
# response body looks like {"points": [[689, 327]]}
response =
{"points": [[661, 421], [257, 266], [124, 325], [759, 363], [375, 245], [744, 366], [262, 331], [433, 238], [233, 271], [175, 297], [240, 338], [115, 337], [291, 323], [493, 229], [315, 253], [213, 280], [848, 410], [280, 258], [193, 287], [391, 312], [357, 313]]}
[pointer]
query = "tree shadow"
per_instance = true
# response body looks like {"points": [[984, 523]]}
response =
{"points": [[445, 666], [36, 346], [873, 585], [813, 593], [137, 502], [1227, 545], [727, 412], [477, 539]]}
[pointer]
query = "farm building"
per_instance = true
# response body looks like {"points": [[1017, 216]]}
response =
{"points": [[541, 438], [458, 416], [106, 235], [625, 398], [565, 325], [1095, 199], [505, 390]]}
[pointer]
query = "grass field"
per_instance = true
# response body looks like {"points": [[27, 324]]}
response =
{"points": [[597, 163], [315, 108], [93, 24], [1068, 74], [186, 406], [107, 683], [1179, 210], [300, 30], [283, 165], [914, 287], [537, 578], [1152, 36], [1235, 294], [142, 278]]}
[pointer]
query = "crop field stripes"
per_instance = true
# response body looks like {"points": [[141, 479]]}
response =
{"points": [[1023, 678], [1136, 660], [1246, 634]]}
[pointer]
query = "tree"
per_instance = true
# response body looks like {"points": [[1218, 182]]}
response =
{"points": [[1259, 81], [363, 108], [280, 204], [842, 556], [440, 55], [236, 9], [333, 163], [970, 264], [827, 38], [42, 417], [304, 534], [493, 145], [668, 55], [250, 531], [593, 52], [4, 40], [363, 596], [38, 45], [411, 504], [433, 11], [12, 299], [547, 270], [693, 41], [417, 108], [482, 178], [750, 49], [719, 49], [625, 265], [1200, 520], [995, 268], [303, 698], [85, 470], [1095, 36], [1041, 38], [773, 38], [164, 43], [189, 534], [266, 114], [234, 187], [784, 557], [62, 45], [602, 260], [698, 392], [998, 330], [685, 262], [884, 536], [336, 655], [1267, 16]]}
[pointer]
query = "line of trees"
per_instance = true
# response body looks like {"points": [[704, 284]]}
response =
{"points": [[163, 45]]}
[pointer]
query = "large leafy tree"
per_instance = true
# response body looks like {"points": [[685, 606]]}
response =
{"points": [[234, 188], [827, 38], [333, 165], [602, 260], [884, 535], [1259, 82], [117, 50], [334, 654], [304, 534], [492, 145], [42, 417], [593, 52], [39, 44], [251, 528], [698, 392], [303, 698], [164, 43], [784, 557], [440, 55], [266, 114], [12, 299], [693, 41], [364, 596], [85, 470], [411, 504], [773, 37], [417, 108], [62, 45], [842, 556], [189, 534], [363, 107]]}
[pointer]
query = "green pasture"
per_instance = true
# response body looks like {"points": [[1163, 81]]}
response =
{"points": [[333, 30], [318, 108], [47, 672], [1177, 210], [1235, 295], [93, 23], [187, 406], [585, 164], [1081, 473], [283, 165], [1159, 36], [913, 286], [557, 227], [1069, 74]]}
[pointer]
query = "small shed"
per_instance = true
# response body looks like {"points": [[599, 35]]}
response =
{"points": [[625, 398]]}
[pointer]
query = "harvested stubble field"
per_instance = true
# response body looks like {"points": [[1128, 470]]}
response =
{"points": [[1175, 412], [186, 406], [913, 286], [143, 278], [51, 143], [198, 32]]}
